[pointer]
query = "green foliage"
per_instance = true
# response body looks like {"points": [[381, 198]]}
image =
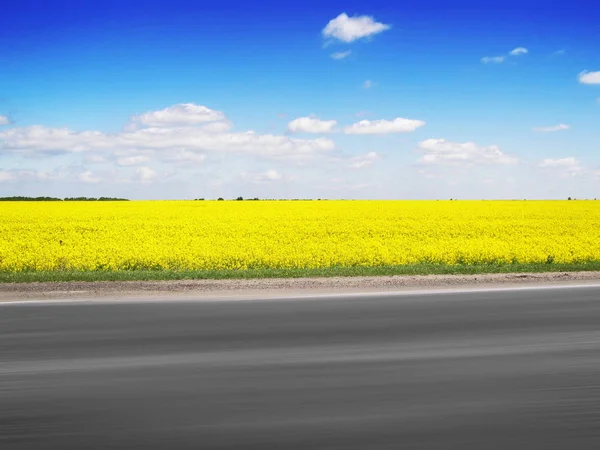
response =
{"points": [[30, 199], [416, 269], [92, 199]]}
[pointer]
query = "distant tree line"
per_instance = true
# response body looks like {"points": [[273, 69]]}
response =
{"points": [[68, 199], [30, 199], [256, 199], [92, 199]]}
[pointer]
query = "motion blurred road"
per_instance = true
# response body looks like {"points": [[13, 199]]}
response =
{"points": [[491, 369]]}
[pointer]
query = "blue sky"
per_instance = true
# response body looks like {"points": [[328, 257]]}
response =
{"points": [[337, 100]]}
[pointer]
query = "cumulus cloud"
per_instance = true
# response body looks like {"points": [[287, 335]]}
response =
{"points": [[567, 167], [183, 114], [6, 175], [32, 175], [95, 159], [440, 151], [343, 186], [519, 51], [311, 125], [79, 174], [587, 77], [492, 59], [362, 161], [132, 160], [341, 55], [88, 177], [40, 140], [4, 120], [186, 156], [217, 127], [349, 29], [262, 177], [146, 174], [559, 162], [398, 125], [559, 127]]}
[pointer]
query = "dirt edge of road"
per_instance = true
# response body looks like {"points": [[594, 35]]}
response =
{"points": [[116, 289]]}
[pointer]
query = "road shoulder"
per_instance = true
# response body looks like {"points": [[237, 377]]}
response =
{"points": [[280, 287]]}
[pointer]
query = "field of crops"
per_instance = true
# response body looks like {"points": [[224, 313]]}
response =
{"points": [[208, 235]]}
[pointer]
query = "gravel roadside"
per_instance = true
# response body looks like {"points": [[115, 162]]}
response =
{"points": [[212, 288]]}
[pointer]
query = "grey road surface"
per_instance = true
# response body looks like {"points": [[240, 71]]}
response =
{"points": [[470, 370]]}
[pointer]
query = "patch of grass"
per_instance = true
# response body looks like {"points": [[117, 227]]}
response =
{"points": [[417, 269]]}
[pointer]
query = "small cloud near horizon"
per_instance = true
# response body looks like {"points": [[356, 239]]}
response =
{"points": [[559, 127]]}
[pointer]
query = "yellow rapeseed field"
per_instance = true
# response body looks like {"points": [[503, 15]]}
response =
{"points": [[180, 235]]}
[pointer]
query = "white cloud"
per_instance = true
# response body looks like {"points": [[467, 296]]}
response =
{"points": [[38, 140], [184, 114], [132, 160], [262, 177], [559, 162], [343, 186], [368, 84], [32, 175], [398, 125], [492, 59], [78, 174], [168, 143], [362, 161], [146, 173], [519, 51], [559, 127], [181, 161], [589, 77], [95, 159], [427, 174], [186, 156], [311, 125], [349, 29], [88, 177], [341, 55], [440, 151], [6, 175], [4, 120], [566, 167], [217, 127], [249, 142]]}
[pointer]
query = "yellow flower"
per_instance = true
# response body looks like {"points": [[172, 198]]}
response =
{"points": [[178, 235]]}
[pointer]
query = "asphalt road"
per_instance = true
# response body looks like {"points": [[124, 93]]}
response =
{"points": [[478, 370]]}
